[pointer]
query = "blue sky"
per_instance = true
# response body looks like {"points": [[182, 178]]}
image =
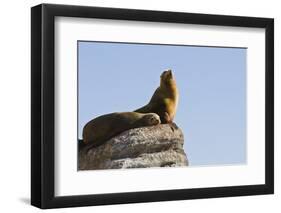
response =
{"points": [[116, 77]]}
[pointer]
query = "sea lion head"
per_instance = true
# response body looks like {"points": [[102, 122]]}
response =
{"points": [[167, 78], [151, 119]]}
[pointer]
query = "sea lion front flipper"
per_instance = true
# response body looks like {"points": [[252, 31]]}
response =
{"points": [[167, 118]]}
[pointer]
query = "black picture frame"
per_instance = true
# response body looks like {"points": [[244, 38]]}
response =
{"points": [[43, 102]]}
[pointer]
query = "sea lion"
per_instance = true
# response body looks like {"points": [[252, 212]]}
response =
{"points": [[164, 100], [103, 128]]}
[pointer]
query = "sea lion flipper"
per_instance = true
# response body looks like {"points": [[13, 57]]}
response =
{"points": [[167, 118]]}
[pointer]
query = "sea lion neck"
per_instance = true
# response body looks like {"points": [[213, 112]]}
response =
{"points": [[168, 85]]}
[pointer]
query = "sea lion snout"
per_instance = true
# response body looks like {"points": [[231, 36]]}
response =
{"points": [[167, 74]]}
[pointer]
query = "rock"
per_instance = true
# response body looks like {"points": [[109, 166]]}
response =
{"points": [[155, 146]]}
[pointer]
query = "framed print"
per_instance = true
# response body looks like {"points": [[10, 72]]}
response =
{"points": [[139, 106]]}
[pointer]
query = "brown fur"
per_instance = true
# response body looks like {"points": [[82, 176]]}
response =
{"points": [[102, 128], [164, 100]]}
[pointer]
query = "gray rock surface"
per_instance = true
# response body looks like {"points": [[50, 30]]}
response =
{"points": [[155, 146]]}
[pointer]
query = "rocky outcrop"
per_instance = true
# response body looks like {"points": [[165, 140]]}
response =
{"points": [[155, 146]]}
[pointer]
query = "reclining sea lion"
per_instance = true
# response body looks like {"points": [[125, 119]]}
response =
{"points": [[103, 128]]}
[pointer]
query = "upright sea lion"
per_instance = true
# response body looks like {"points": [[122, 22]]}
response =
{"points": [[102, 128], [164, 100]]}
